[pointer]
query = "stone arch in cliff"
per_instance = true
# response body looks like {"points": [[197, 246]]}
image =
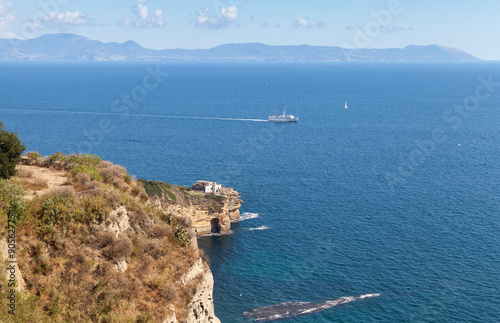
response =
{"points": [[215, 225]]}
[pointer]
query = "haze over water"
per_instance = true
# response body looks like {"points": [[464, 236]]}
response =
{"points": [[349, 201]]}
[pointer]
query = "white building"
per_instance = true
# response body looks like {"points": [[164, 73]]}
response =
{"points": [[206, 187]]}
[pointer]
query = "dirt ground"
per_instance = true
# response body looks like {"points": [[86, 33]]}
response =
{"points": [[53, 178]]}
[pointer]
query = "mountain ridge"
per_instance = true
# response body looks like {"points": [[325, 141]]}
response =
{"points": [[72, 47]]}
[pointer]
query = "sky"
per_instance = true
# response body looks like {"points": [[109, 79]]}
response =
{"points": [[472, 26]]}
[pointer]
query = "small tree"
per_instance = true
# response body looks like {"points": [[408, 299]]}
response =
{"points": [[11, 149]]}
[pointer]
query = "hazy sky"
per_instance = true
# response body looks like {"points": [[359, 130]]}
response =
{"points": [[473, 26]]}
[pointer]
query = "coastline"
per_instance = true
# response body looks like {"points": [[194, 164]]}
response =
{"points": [[132, 224]]}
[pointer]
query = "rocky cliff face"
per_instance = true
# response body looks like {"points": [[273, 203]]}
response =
{"points": [[102, 250], [204, 221], [201, 308], [205, 212]]}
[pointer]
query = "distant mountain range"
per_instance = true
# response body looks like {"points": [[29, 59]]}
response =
{"points": [[71, 47]]}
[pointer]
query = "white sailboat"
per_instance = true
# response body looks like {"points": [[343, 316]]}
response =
{"points": [[345, 106]]}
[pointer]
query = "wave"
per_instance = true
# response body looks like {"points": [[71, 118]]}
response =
{"points": [[247, 216], [216, 234], [263, 227], [291, 309]]}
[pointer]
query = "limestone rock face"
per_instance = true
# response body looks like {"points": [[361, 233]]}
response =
{"points": [[202, 220], [171, 318], [118, 220], [201, 308], [233, 206]]}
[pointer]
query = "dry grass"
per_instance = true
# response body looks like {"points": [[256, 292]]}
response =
{"points": [[25, 173], [81, 182], [113, 174], [161, 230], [120, 248], [71, 273], [63, 191], [34, 184]]}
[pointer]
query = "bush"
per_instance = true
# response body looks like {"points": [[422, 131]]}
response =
{"points": [[154, 249], [11, 149], [58, 156], [81, 163], [95, 207], [160, 230], [118, 249], [81, 182], [103, 239], [212, 196], [157, 188], [169, 293], [11, 202], [182, 235], [33, 155], [172, 196], [138, 217], [137, 189], [112, 174], [56, 210], [63, 191]]}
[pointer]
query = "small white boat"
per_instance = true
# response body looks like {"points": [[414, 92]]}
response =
{"points": [[345, 106]]}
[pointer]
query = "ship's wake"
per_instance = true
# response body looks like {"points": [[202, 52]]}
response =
{"points": [[216, 234], [134, 115], [263, 227], [291, 309]]}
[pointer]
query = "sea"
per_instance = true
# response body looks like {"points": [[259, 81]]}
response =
{"points": [[397, 195]]}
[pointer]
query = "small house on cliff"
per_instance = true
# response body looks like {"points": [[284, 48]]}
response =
{"points": [[207, 187]]}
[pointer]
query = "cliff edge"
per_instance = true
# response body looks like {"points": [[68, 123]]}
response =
{"points": [[206, 213], [90, 245]]}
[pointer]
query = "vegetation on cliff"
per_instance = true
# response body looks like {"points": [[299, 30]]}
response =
{"points": [[183, 195], [11, 149], [93, 248]]}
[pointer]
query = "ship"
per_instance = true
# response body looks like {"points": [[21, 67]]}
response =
{"points": [[283, 118]]}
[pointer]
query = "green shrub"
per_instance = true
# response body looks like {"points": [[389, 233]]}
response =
{"points": [[152, 188], [83, 163], [212, 196], [56, 210], [9, 192], [58, 156], [11, 201], [17, 210], [95, 208], [33, 154], [182, 235], [11, 149], [80, 163], [172, 196], [128, 178]]}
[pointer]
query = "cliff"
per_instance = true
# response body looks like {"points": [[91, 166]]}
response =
{"points": [[91, 246], [206, 213]]}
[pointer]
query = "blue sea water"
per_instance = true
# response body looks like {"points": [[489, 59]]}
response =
{"points": [[397, 195]]}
